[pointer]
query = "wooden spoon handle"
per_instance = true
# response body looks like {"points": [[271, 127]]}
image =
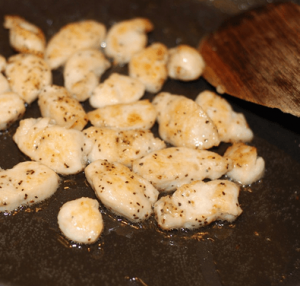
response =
{"points": [[256, 57]]}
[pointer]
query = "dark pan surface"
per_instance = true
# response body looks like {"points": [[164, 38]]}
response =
{"points": [[261, 248]]}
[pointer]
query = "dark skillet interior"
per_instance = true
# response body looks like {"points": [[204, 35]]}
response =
{"points": [[261, 248]]}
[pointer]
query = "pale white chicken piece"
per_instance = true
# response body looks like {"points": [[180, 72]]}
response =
{"points": [[126, 38], [150, 67], [170, 168], [24, 36], [122, 146], [82, 72], [72, 38], [198, 204], [12, 108], [182, 122], [122, 191], [80, 220], [185, 63], [4, 85], [25, 184], [232, 126], [137, 115], [56, 103], [27, 75], [61, 149], [247, 166], [117, 89]]}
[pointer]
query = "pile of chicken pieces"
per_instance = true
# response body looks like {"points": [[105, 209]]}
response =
{"points": [[134, 174]]}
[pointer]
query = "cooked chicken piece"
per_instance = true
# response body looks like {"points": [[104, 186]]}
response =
{"points": [[170, 168], [232, 126], [56, 103], [25, 37], [61, 149], [4, 85], [25, 184], [198, 204], [126, 38], [72, 38], [80, 220], [82, 72], [185, 63], [27, 75], [137, 115], [182, 122], [122, 191], [117, 89], [120, 146], [12, 108], [150, 67], [2, 63], [247, 167]]}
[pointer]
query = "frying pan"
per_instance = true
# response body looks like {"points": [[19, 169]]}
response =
{"points": [[262, 247]]}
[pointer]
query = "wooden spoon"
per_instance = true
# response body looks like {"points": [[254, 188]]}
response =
{"points": [[255, 56]]}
